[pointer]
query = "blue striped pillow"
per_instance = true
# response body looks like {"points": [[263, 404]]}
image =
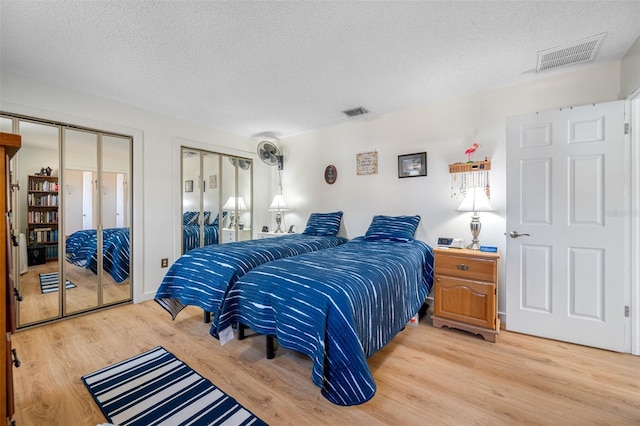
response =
{"points": [[393, 228], [215, 221], [323, 224], [189, 218]]}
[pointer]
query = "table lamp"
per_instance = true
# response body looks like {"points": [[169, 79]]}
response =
{"points": [[278, 205], [233, 205], [475, 201]]}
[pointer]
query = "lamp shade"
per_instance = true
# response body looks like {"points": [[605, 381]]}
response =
{"points": [[233, 203], [278, 204], [476, 200]]}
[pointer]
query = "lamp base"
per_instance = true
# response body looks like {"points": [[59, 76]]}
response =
{"points": [[475, 227], [474, 245], [279, 223]]}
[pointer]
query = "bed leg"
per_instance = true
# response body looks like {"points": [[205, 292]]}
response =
{"points": [[207, 317], [241, 328], [271, 347]]}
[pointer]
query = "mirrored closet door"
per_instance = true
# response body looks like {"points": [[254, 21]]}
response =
{"points": [[73, 210], [216, 198]]}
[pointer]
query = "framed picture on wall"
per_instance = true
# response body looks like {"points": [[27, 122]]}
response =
{"points": [[412, 165], [188, 186]]}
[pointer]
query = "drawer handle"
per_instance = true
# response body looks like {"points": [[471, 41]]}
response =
{"points": [[462, 267]]}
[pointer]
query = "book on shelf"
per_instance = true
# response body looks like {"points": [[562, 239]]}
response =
{"points": [[43, 185], [39, 200], [36, 217], [51, 252], [43, 235]]}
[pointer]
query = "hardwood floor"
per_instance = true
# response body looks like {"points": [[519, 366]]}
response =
{"points": [[424, 376], [37, 307]]}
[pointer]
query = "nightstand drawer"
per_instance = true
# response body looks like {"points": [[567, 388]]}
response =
{"points": [[229, 235], [467, 267]]}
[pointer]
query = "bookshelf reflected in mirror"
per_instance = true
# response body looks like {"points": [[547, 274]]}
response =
{"points": [[42, 208]]}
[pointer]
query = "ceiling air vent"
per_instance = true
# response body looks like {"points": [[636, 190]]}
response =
{"points": [[569, 54], [355, 112]]}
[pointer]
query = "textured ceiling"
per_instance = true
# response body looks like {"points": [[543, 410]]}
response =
{"points": [[290, 67]]}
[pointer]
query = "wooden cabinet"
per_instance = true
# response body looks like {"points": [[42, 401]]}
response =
{"points": [[465, 292], [42, 210], [229, 235], [9, 145]]}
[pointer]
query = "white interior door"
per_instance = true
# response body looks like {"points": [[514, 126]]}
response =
{"points": [[109, 200], [87, 200], [121, 201], [73, 220], [566, 188]]}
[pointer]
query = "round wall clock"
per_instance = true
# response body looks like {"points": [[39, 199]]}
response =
{"points": [[330, 174]]}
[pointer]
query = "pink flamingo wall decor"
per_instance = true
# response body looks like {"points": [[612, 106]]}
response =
{"points": [[470, 151]]}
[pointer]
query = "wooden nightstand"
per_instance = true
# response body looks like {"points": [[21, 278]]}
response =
{"points": [[466, 288], [229, 235]]}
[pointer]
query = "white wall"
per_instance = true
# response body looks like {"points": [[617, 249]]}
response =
{"points": [[156, 162], [191, 171], [444, 130], [630, 70]]}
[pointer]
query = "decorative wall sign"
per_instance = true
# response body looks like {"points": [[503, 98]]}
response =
{"points": [[213, 181], [412, 165], [330, 174], [367, 163]]}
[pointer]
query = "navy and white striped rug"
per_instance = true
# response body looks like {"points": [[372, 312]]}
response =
{"points": [[156, 388], [49, 283]]}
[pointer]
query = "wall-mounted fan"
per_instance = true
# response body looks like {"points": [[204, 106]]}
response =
{"points": [[243, 164], [270, 154]]}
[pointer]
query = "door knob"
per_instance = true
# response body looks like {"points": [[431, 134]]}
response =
{"points": [[514, 234]]}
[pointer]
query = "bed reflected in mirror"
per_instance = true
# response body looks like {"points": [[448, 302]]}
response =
{"points": [[97, 220], [210, 214], [116, 224]]}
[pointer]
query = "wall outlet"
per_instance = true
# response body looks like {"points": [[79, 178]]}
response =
{"points": [[164, 262]]}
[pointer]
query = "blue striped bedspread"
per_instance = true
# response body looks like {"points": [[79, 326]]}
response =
{"points": [[338, 306], [80, 245], [203, 276], [191, 236], [116, 255], [81, 250]]}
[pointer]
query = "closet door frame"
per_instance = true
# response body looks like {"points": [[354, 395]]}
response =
{"points": [[201, 182], [18, 208]]}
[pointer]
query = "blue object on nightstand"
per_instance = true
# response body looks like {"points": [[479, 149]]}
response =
{"points": [[489, 249]]}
